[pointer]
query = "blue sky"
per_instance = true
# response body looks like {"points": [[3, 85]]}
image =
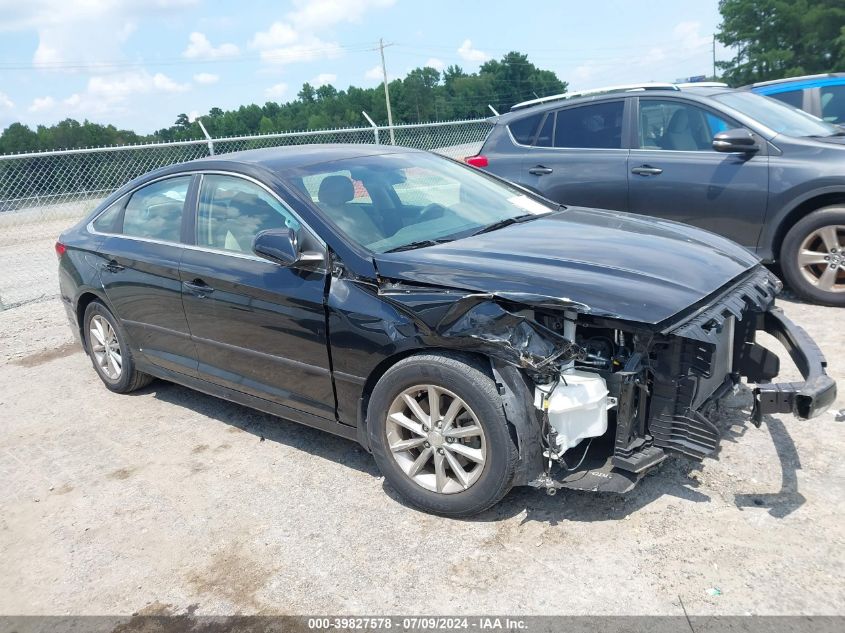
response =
{"points": [[139, 64]]}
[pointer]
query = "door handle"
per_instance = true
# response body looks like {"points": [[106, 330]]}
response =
{"points": [[198, 287], [112, 266], [539, 170], [646, 170]]}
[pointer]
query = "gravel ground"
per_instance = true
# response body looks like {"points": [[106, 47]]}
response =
{"points": [[169, 500]]}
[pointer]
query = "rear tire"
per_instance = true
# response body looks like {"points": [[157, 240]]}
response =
{"points": [[107, 346], [813, 256], [456, 463]]}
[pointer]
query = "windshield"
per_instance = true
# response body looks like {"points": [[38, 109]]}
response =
{"points": [[391, 201], [776, 115]]}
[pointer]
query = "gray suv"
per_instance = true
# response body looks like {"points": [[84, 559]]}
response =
{"points": [[753, 169]]}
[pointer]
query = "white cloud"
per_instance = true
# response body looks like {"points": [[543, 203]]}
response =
{"points": [[310, 50], [296, 38], [5, 102], [40, 104], [121, 86], [206, 78], [374, 73], [313, 15], [470, 54], [324, 79], [199, 47], [276, 91], [110, 94], [583, 72], [78, 35], [279, 34], [437, 64], [689, 37]]}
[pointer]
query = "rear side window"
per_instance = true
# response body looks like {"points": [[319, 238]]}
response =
{"points": [[108, 220], [155, 211], [524, 130], [598, 125], [833, 103], [795, 98]]}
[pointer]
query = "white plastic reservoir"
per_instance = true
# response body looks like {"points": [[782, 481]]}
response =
{"points": [[577, 409]]}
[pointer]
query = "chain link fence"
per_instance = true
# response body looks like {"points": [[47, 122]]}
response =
{"points": [[41, 193]]}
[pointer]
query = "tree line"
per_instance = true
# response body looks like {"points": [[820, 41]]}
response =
{"points": [[424, 94], [768, 39]]}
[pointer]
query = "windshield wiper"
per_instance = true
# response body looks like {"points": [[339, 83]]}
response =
{"points": [[417, 244], [495, 226]]}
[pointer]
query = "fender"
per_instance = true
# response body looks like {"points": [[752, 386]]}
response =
{"points": [[778, 224]]}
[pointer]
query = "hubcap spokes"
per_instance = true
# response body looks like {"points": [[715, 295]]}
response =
{"points": [[436, 439], [822, 258], [106, 348]]}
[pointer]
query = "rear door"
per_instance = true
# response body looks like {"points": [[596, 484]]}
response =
{"points": [[578, 157], [142, 252], [676, 174], [259, 327]]}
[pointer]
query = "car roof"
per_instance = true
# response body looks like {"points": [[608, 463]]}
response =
{"points": [[796, 83], [285, 157], [791, 80], [704, 91]]}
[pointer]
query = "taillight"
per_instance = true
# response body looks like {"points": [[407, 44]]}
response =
{"points": [[61, 249], [477, 161]]}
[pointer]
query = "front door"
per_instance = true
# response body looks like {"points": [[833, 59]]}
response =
{"points": [[140, 273], [675, 173], [259, 327]]}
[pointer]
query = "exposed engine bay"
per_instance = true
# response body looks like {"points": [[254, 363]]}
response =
{"points": [[610, 399]]}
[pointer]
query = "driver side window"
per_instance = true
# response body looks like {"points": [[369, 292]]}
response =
{"points": [[232, 211], [678, 126]]}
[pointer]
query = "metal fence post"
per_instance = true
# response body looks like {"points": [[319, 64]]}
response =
{"points": [[208, 136], [373, 124]]}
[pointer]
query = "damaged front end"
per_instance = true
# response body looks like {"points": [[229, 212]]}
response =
{"points": [[596, 401]]}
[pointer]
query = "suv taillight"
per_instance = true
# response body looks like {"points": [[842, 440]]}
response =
{"points": [[477, 161], [61, 249]]}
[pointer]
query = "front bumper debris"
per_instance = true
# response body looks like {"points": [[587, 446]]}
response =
{"points": [[804, 399], [668, 390]]}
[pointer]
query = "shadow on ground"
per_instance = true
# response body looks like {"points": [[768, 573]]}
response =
{"points": [[266, 427], [675, 477]]}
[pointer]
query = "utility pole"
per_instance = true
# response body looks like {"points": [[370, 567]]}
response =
{"points": [[386, 91], [714, 57]]}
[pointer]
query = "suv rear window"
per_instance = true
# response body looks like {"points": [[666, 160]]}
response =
{"points": [[523, 130]]}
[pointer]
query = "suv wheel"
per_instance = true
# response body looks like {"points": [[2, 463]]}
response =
{"points": [[106, 344], [439, 434], [813, 256]]}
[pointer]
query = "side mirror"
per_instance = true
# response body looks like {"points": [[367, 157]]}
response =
{"points": [[282, 247], [737, 140]]}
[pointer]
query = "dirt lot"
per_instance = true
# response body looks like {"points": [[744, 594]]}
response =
{"points": [[114, 504]]}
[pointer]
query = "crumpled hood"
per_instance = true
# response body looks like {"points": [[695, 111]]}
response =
{"points": [[618, 264]]}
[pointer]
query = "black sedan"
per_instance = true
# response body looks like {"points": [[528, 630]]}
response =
{"points": [[472, 335]]}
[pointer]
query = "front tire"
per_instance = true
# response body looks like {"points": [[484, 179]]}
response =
{"points": [[456, 462], [813, 257], [106, 344]]}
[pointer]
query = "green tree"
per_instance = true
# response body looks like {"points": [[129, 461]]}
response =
{"points": [[423, 95], [772, 39], [18, 138]]}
